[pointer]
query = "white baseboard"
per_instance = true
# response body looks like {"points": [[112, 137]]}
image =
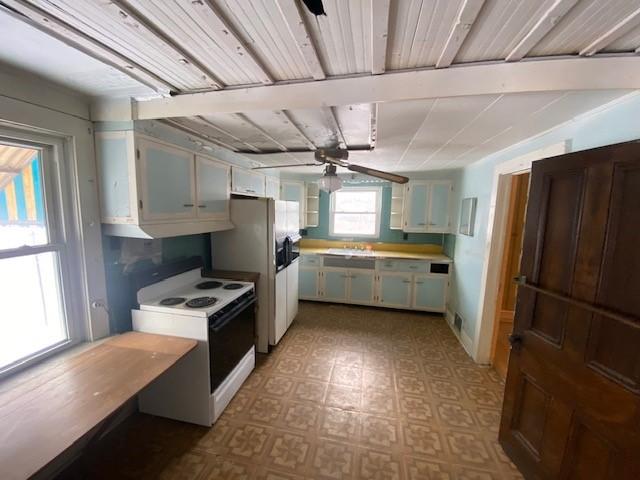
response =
{"points": [[462, 336]]}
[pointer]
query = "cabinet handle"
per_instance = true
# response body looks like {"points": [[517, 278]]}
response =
{"points": [[413, 267], [187, 205], [202, 206], [251, 191], [419, 283], [406, 281]]}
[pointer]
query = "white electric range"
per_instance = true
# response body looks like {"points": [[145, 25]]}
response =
{"points": [[220, 315]]}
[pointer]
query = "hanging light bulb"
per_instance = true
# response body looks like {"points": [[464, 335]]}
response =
{"points": [[330, 182]]}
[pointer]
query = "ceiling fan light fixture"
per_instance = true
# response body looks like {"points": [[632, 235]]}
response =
{"points": [[330, 182]]}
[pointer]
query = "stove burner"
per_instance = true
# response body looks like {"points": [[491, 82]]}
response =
{"points": [[233, 286], [200, 302], [172, 301], [208, 285]]}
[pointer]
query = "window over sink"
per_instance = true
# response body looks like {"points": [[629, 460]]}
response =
{"points": [[34, 253], [355, 212]]}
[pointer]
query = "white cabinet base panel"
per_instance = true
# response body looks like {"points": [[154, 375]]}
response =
{"points": [[230, 386]]}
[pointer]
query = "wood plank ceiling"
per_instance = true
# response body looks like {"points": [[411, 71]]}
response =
{"points": [[180, 47]]}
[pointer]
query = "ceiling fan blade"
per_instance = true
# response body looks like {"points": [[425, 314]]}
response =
{"points": [[287, 166], [392, 177]]}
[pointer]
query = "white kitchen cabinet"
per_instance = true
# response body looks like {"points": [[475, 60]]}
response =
{"points": [[427, 206], [152, 189], [247, 182], [430, 292], [280, 323], [394, 289], [334, 284], [361, 288], [309, 283], [292, 291], [294, 191], [212, 188], [312, 205], [272, 187]]}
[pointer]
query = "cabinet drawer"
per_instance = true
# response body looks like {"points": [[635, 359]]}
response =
{"points": [[310, 260], [341, 262], [403, 266]]}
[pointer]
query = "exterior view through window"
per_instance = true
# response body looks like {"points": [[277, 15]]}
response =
{"points": [[32, 312], [356, 212]]}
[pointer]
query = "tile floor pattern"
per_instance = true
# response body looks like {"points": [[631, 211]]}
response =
{"points": [[351, 392]]}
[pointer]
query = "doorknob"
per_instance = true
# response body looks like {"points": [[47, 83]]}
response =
{"points": [[515, 340]]}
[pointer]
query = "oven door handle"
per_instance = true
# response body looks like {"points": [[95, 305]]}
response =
{"points": [[222, 322]]}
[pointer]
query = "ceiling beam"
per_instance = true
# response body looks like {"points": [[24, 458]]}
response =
{"points": [[231, 40], [262, 131], [183, 125], [613, 34], [466, 16], [379, 33], [567, 74], [330, 114], [549, 19], [210, 124], [76, 39], [289, 10]]}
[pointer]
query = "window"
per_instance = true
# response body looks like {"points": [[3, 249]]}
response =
{"points": [[34, 292], [355, 212]]}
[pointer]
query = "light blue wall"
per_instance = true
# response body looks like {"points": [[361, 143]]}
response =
{"points": [[618, 123], [386, 234]]}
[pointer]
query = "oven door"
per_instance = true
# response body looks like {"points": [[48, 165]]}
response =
{"points": [[231, 336]]}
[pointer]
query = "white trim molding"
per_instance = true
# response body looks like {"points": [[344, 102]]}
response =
{"points": [[564, 74], [494, 248]]}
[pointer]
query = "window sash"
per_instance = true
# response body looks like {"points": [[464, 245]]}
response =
{"points": [[376, 213]]}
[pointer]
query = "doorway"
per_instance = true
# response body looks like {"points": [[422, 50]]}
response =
{"points": [[510, 263]]}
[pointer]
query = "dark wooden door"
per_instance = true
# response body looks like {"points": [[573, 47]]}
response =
{"points": [[572, 405]]}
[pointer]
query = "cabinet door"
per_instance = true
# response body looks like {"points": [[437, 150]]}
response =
{"points": [[212, 188], [394, 290], [430, 292], [309, 283], [334, 284], [167, 181], [280, 321], [246, 181], [292, 291], [439, 210], [272, 187], [361, 286], [417, 207], [295, 192]]}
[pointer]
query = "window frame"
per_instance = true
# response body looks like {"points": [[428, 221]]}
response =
{"points": [[378, 212], [61, 215]]}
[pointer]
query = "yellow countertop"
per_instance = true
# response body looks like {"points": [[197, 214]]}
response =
{"points": [[381, 254]]}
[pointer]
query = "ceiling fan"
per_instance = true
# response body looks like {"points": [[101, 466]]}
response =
{"points": [[336, 157]]}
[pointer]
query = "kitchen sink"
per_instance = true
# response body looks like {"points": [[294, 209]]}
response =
{"points": [[350, 252]]}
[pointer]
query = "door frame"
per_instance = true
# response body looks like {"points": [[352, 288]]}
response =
{"points": [[494, 246]]}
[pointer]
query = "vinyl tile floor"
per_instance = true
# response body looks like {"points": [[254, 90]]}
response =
{"points": [[349, 393]]}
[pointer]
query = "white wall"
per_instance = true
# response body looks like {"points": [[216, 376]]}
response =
{"points": [[28, 102], [616, 122]]}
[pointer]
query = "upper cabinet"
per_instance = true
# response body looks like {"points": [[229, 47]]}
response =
{"points": [[150, 189], [247, 182], [293, 191], [426, 207], [272, 187]]}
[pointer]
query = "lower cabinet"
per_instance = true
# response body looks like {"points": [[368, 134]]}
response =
{"points": [[362, 287], [389, 285], [394, 289], [334, 284], [430, 292], [309, 283]]}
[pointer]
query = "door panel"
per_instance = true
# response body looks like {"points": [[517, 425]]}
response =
{"points": [[309, 283], [335, 284], [430, 292], [361, 287], [439, 207], [571, 407], [279, 327], [212, 188], [418, 207], [395, 290], [292, 291]]}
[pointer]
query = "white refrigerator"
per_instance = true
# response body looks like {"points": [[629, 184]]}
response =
{"points": [[259, 224]]}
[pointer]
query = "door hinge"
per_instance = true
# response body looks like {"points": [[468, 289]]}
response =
{"points": [[140, 203], [520, 279]]}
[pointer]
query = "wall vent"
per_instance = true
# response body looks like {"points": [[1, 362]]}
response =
{"points": [[457, 322]]}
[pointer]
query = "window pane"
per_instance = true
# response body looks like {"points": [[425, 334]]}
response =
{"points": [[354, 224], [22, 217], [31, 310], [355, 201]]}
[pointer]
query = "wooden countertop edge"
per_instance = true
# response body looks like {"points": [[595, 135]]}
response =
{"points": [[383, 254]]}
